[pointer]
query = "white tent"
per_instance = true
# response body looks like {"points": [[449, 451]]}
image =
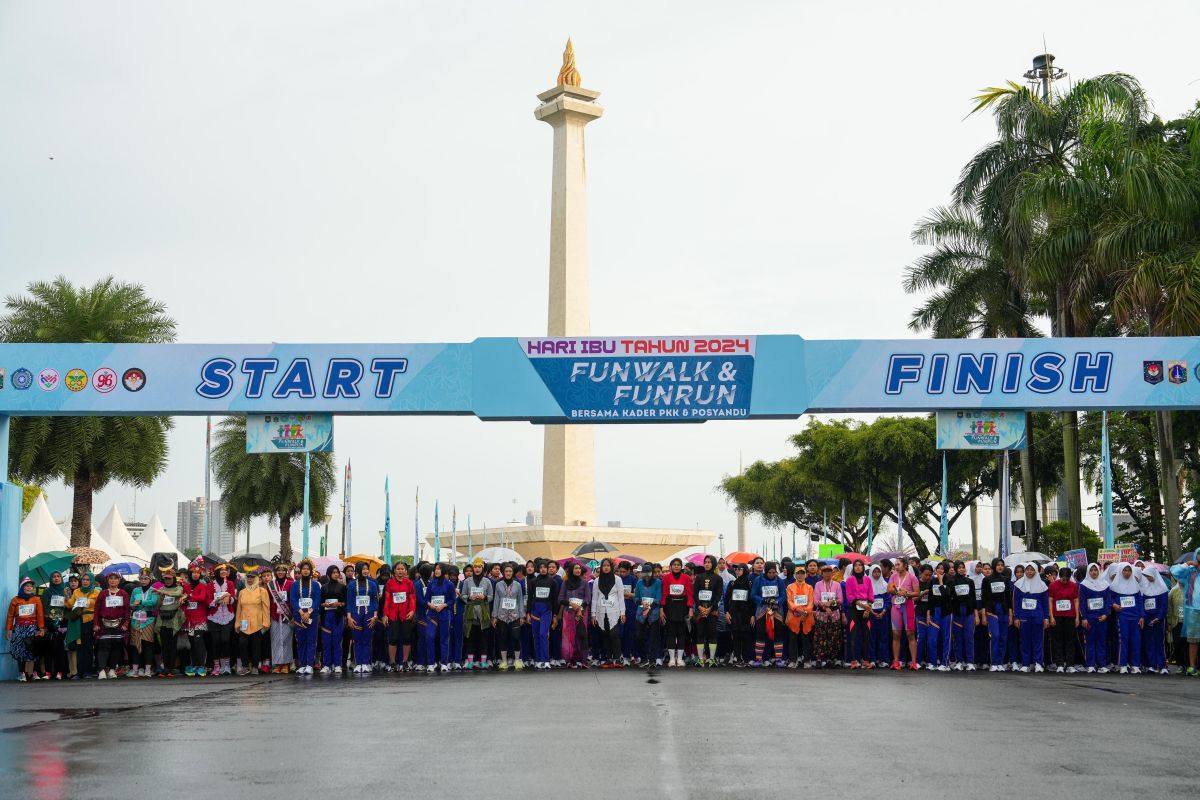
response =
{"points": [[39, 534], [113, 531], [155, 540], [98, 543]]}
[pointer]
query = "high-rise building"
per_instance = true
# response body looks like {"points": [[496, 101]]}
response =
{"points": [[189, 526]]}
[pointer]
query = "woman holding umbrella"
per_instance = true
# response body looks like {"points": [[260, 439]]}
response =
{"points": [[54, 609], [25, 621], [81, 610]]}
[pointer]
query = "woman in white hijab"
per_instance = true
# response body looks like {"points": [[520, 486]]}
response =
{"points": [[1093, 613], [1154, 606], [1125, 595], [1031, 612], [881, 619]]}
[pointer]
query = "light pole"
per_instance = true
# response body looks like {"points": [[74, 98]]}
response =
{"points": [[1044, 73]]}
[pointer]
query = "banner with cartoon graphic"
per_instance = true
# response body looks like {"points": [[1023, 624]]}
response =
{"points": [[980, 430], [289, 433]]}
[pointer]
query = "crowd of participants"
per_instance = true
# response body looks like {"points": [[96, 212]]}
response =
{"points": [[965, 616]]}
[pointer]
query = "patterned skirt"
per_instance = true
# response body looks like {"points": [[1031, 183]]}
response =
{"points": [[21, 641], [827, 640]]}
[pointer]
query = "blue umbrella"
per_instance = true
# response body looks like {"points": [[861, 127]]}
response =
{"points": [[123, 568]]}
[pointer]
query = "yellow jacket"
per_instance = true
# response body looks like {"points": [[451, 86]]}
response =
{"points": [[253, 606], [89, 610]]}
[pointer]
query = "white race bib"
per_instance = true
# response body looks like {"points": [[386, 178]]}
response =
{"points": [[399, 598], [305, 603], [676, 590], [828, 597], [1028, 603], [168, 601], [1128, 601], [979, 594], [1062, 605], [770, 592], [244, 625], [647, 602], [997, 587], [937, 590], [575, 602], [217, 596], [80, 602], [877, 605], [899, 601], [192, 605], [961, 589], [25, 610], [609, 603], [363, 600], [508, 603], [1095, 603], [57, 601], [140, 616], [541, 592], [705, 595], [1151, 603], [801, 599], [740, 595], [114, 601]]}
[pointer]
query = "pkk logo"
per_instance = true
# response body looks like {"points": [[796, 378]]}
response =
{"points": [[48, 379], [1152, 371], [22, 379], [290, 436], [134, 379], [104, 380], [76, 380], [1177, 371]]}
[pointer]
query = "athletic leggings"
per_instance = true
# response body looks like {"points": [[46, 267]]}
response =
{"points": [[144, 654], [706, 629], [648, 639], [475, 644], [199, 651], [858, 636], [222, 639], [109, 653], [251, 649], [508, 637], [166, 646], [676, 635], [610, 638]]}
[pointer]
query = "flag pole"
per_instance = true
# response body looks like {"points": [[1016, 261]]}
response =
{"points": [[1109, 532], [307, 473], [437, 535], [944, 535], [387, 520], [870, 522]]}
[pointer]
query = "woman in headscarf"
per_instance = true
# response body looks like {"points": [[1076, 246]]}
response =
{"points": [[281, 620], [678, 600], [880, 620], [333, 621], [81, 611], [457, 608], [54, 610], [1125, 601], [24, 622], [220, 619], [543, 612], [252, 618], [827, 635], [361, 594], [1187, 575], [708, 587], [769, 594], [1154, 604], [574, 601], [996, 604], [962, 607], [1031, 611], [508, 610], [739, 615], [198, 599], [608, 612], [941, 615], [169, 620], [304, 601], [477, 596], [143, 604], [860, 596], [1093, 612], [111, 625]]}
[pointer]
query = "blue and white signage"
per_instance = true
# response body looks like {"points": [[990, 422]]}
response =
{"points": [[980, 430], [289, 433]]}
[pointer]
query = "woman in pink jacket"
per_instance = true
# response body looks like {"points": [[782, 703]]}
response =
{"points": [[860, 594], [827, 635]]}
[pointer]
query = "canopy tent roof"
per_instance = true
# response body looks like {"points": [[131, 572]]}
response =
{"points": [[155, 540], [98, 543], [113, 531], [39, 534]]}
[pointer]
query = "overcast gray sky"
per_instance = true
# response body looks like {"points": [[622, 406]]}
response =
{"points": [[758, 170]]}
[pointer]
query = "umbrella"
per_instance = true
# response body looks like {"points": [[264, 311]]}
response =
{"points": [[635, 560], [321, 564], [891, 555], [498, 555], [88, 555], [122, 568], [1028, 558], [1190, 555], [594, 546], [853, 556], [697, 558], [563, 563], [741, 557], [372, 562], [249, 561], [38, 568]]}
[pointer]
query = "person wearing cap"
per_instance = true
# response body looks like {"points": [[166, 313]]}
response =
{"points": [[251, 620], [220, 619], [143, 605], [24, 622], [169, 620], [647, 598], [111, 626], [800, 620], [281, 620]]}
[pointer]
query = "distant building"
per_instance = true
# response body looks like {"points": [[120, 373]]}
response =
{"points": [[533, 517], [189, 526], [136, 529]]}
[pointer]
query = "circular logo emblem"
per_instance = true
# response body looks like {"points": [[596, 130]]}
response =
{"points": [[76, 380], [104, 380], [48, 379], [133, 380], [22, 379]]}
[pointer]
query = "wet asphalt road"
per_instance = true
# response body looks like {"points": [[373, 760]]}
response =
{"points": [[683, 733]]}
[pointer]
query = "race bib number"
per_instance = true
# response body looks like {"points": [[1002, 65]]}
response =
{"points": [[705, 595], [508, 603], [244, 625], [140, 616], [937, 590], [609, 603], [25, 610], [168, 601], [575, 602], [364, 600], [770, 592], [676, 590], [647, 602], [399, 598], [877, 605], [220, 595], [192, 605], [828, 597], [962, 589], [740, 595], [997, 587], [1095, 603], [57, 601], [899, 601], [114, 601], [1062, 605], [305, 603], [1151, 603], [541, 592], [979, 594], [802, 600], [1128, 601], [1028, 603]]}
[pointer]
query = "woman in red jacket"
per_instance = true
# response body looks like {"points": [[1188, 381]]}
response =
{"points": [[399, 614], [677, 608], [110, 626], [197, 596]]}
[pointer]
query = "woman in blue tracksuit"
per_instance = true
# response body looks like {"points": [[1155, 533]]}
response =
{"points": [[440, 597], [458, 611], [962, 606], [941, 618], [1031, 615], [1093, 612], [768, 595], [362, 601], [997, 606], [881, 619], [542, 597], [1154, 604], [1125, 600]]}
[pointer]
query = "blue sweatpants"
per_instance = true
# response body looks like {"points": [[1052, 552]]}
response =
{"points": [[1032, 642], [1130, 654], [925, 635], [456, 638], [437, 638], [964, 637], [362, 638], [541, 617], [331, 651], [881, 639], [306, 643], [1154, 644], [998, 630], [629, 636], [1095, 644], [939, 637]]}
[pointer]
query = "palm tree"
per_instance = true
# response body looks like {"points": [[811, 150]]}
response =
{"points": [[970, 271], [87, 452], [1012, 181], [268, 484]]}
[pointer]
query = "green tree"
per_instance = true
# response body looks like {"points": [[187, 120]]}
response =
{"points": [[1056, 538], [86, 452], [29, 496], [268, 484]]}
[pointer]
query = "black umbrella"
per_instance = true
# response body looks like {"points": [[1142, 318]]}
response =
{"points": [[249, 561], [212, 559], [160, 560], [594, 546]]}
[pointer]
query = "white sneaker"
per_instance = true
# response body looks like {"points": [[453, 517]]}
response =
{"points": [[325, 670], [1123, 670], [970, 667], [446, 668], [1024, 669], [1038, 668], [337, 670], [1091, 669], [102, 675], [1164, 671], [1015, 666], [1071, 670], [992, 668], [943, 668], [1135, 671], [1060, 669], [1102, 670]]}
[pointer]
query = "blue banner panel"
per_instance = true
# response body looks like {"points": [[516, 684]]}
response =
{"points": [[980, 430], [289, 433]]}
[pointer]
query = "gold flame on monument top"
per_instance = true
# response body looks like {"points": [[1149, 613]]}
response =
{"points": [[568, 75]]}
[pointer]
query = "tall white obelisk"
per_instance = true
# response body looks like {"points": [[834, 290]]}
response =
{"points": [[568, 463]]}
